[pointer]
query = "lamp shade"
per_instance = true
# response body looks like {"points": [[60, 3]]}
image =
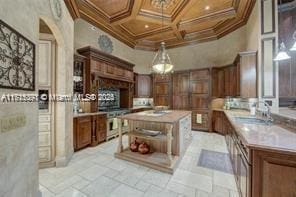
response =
{"points": [[282, 54], [161, 63], [293, 47]]}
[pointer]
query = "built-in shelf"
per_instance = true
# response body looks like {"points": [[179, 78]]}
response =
{"points": [[160, 137]]}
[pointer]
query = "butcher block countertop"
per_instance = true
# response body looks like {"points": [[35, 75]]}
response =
{"points": [[259, 136], [169, 116]]}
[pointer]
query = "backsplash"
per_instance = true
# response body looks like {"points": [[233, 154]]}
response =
{"points": [[143, 102]]}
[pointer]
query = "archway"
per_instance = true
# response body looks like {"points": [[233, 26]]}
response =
{"points": [[62, 136]]}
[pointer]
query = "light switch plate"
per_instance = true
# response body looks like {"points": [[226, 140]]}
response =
{"points": [[12, 122]]}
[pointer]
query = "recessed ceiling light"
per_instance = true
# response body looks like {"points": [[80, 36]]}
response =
{"points": [[93, 28], [146, 26], [207, 7]]}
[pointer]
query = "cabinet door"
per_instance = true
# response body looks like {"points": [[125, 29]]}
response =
{"points": [[200, 120], [233, 81], [200, 74], [162, 89], [110, 69], [248, 76], [181, 91], [144, 86], [227, 81], [218, 122], [221, 84], [83, 132], [162, 78], [162, 101], [244, 176], [199, 102], [200, 87], [45, 63], [273, 174]]}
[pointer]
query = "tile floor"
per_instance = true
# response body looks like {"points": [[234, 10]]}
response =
{"points": [[94, 172]]}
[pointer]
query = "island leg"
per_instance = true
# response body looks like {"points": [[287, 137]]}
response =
{"points": [[169, 143], [120, 146], [131, 127]]}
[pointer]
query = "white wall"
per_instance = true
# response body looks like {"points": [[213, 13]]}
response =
{"points": [[18, 148], [253, 29], [219, 52]]}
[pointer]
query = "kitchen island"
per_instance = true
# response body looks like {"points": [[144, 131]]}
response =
{"points": [[166, 148]]}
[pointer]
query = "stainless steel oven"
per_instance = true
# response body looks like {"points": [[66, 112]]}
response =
{"points": [[113, 123]]}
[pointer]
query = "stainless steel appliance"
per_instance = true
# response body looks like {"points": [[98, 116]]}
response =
{"points": [[112, 122]]}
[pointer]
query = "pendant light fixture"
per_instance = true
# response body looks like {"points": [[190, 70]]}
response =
{"points": [[282, 54], [161, 63]]}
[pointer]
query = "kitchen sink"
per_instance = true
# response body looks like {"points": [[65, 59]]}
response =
{"points": [[251, 120]]}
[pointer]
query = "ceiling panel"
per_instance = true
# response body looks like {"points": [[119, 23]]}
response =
{"points": [[138, 23]]}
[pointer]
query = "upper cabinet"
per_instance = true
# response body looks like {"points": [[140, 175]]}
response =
{"points": [[246, 64], [238, 79], [162, 90], [104, 65], [143, 86], [181, 88]]}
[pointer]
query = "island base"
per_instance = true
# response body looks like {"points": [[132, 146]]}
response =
{"points": [[156, 160]]}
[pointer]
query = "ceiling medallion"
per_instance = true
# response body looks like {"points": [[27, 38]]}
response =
{"points": [[56, 9], [166, 3], [105, 43]]}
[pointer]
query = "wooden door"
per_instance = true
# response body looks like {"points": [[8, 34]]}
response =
{"points": [[162, 88], [83, 131], [181, 91]]}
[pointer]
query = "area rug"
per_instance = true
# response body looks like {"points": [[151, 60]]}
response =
{"points": [[215, 160]]}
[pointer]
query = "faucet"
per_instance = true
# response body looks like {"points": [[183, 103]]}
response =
{"points": [[266, 113]]}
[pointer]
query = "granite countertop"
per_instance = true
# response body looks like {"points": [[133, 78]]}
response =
{"points": [[171, 117], [286, 112], [141, 107], [271, 137], [88, 114]]}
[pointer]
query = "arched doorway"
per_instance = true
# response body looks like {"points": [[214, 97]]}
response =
{"points": [[55, 147]]}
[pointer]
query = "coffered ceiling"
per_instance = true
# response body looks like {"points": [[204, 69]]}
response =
{"points": [[138, 23]]}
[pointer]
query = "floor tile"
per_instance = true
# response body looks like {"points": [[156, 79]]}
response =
{"points": [[181, 189], [124, 190], [155, 191], [157, 178], [71, 193], [101, 187], [224, 180], [193, 180], [93, 172], [143, 186]]}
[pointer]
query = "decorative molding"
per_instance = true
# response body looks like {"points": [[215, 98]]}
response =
{"points": [[17, 60], [263, 32], [273, 95], [128, 23]]}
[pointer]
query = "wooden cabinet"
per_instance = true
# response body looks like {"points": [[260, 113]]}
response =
{"points": [[246, 63], [82, 132], [218, 86], [181, 91], [218, 119], [201, 120], [162, 90], [143, 86], [274, 174], [99, 129], [230, 81]]}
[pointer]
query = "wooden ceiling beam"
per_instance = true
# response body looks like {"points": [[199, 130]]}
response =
{"points": [[73, 8], [135, 10]]}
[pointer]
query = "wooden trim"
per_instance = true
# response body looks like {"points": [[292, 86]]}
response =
{"points": [[262, 17], [105, 57], [262, 68]]}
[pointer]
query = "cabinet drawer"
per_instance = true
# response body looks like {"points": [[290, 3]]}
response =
{"points": [[44, 139], [44, 154], [45, 126], [44, 118]]}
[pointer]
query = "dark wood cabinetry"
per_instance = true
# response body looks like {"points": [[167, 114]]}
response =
{"points": [[143, 86], [201, 120], [181, 90], [238, 79], [99, 129], [218, 120], [82, 132], [89, 130], [162, 90], [274, 174], [101, 66]]}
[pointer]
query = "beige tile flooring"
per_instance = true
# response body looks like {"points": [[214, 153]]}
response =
{"points": [[94, 172]]}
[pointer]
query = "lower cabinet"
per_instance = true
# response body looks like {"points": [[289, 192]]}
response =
{"points": [[82, 132], [201, 120], [218, 119], [260, 173], [274, 174], [89, 130]]}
